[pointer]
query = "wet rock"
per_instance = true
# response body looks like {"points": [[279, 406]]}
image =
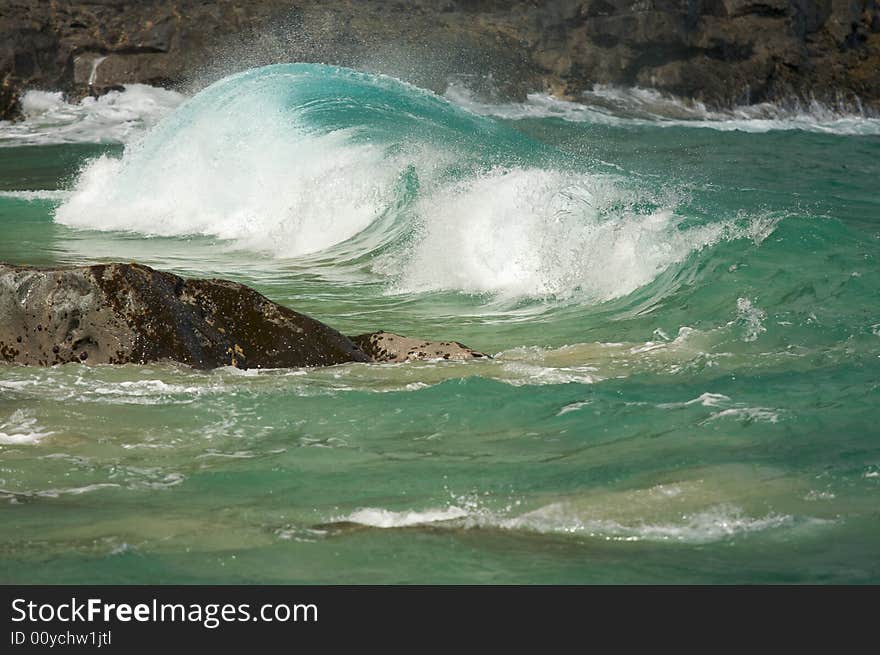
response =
{"points": [[121, 313], [10, 102], [390, 347]]}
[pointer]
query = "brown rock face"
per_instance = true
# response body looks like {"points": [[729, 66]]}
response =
{"points": [[390, 347], [120, 313]]}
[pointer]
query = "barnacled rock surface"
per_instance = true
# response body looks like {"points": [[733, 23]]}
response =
{"points": [[389, 347], [128, 313], [121, 313], [722, 52]]}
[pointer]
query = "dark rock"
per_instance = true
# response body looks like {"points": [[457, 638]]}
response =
{"points": [[390, 347], [10, 105], [120, 313]]}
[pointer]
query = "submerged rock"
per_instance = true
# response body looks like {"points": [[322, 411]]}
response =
{"points": [[390, 347], [121, 313]]}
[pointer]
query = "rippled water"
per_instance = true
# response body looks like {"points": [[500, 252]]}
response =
{"points": [[682, 306]]}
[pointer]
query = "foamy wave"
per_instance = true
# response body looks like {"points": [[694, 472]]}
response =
{"points": [[146, 392], [707, 399], [384, 518], [748, 414], [714, 524], [112, 118], [268, 189], [75, 491], [539, 233], [617, 106]]}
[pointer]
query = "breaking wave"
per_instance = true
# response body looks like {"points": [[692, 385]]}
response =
{"points": [[326, 164]]}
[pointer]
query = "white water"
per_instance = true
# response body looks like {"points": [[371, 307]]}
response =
{"points": [[704, 506], [713, 524], [617, 106], [21, 428], [537, 233], [112, 118], [268, 190], [514, 233]]}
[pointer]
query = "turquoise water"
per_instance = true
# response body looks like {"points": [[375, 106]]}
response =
{"points": [[683, 311]]}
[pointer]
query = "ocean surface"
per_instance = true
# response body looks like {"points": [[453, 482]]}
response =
{"points": [[682, 306]]}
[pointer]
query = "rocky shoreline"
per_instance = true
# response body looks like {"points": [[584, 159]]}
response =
{"points": [[721, 52], [129, 313]]}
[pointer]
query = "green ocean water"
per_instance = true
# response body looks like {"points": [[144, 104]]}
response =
{"points": [[683, 312]]}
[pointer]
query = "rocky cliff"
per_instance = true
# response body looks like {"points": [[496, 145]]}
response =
{"points": [[720, 51]]}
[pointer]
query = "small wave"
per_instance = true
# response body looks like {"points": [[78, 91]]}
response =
{"points": [[57, 493], [21, 428], [384, 518], [572, 407], [707, 399], [76, 491], [146, 392], [748, 414], [713, 524], [112, 118]]}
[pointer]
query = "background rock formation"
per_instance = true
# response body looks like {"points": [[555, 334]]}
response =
{"points": [[720, 51]]}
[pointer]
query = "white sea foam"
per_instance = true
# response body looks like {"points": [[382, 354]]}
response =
{"points": [[21, 428], [633, 107], [748, 414], [36, 195], [572, 407], [751, 318], [384, 518], [713, 524], [707, 399], [151, 391], [75, 491], [112, 118]]}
